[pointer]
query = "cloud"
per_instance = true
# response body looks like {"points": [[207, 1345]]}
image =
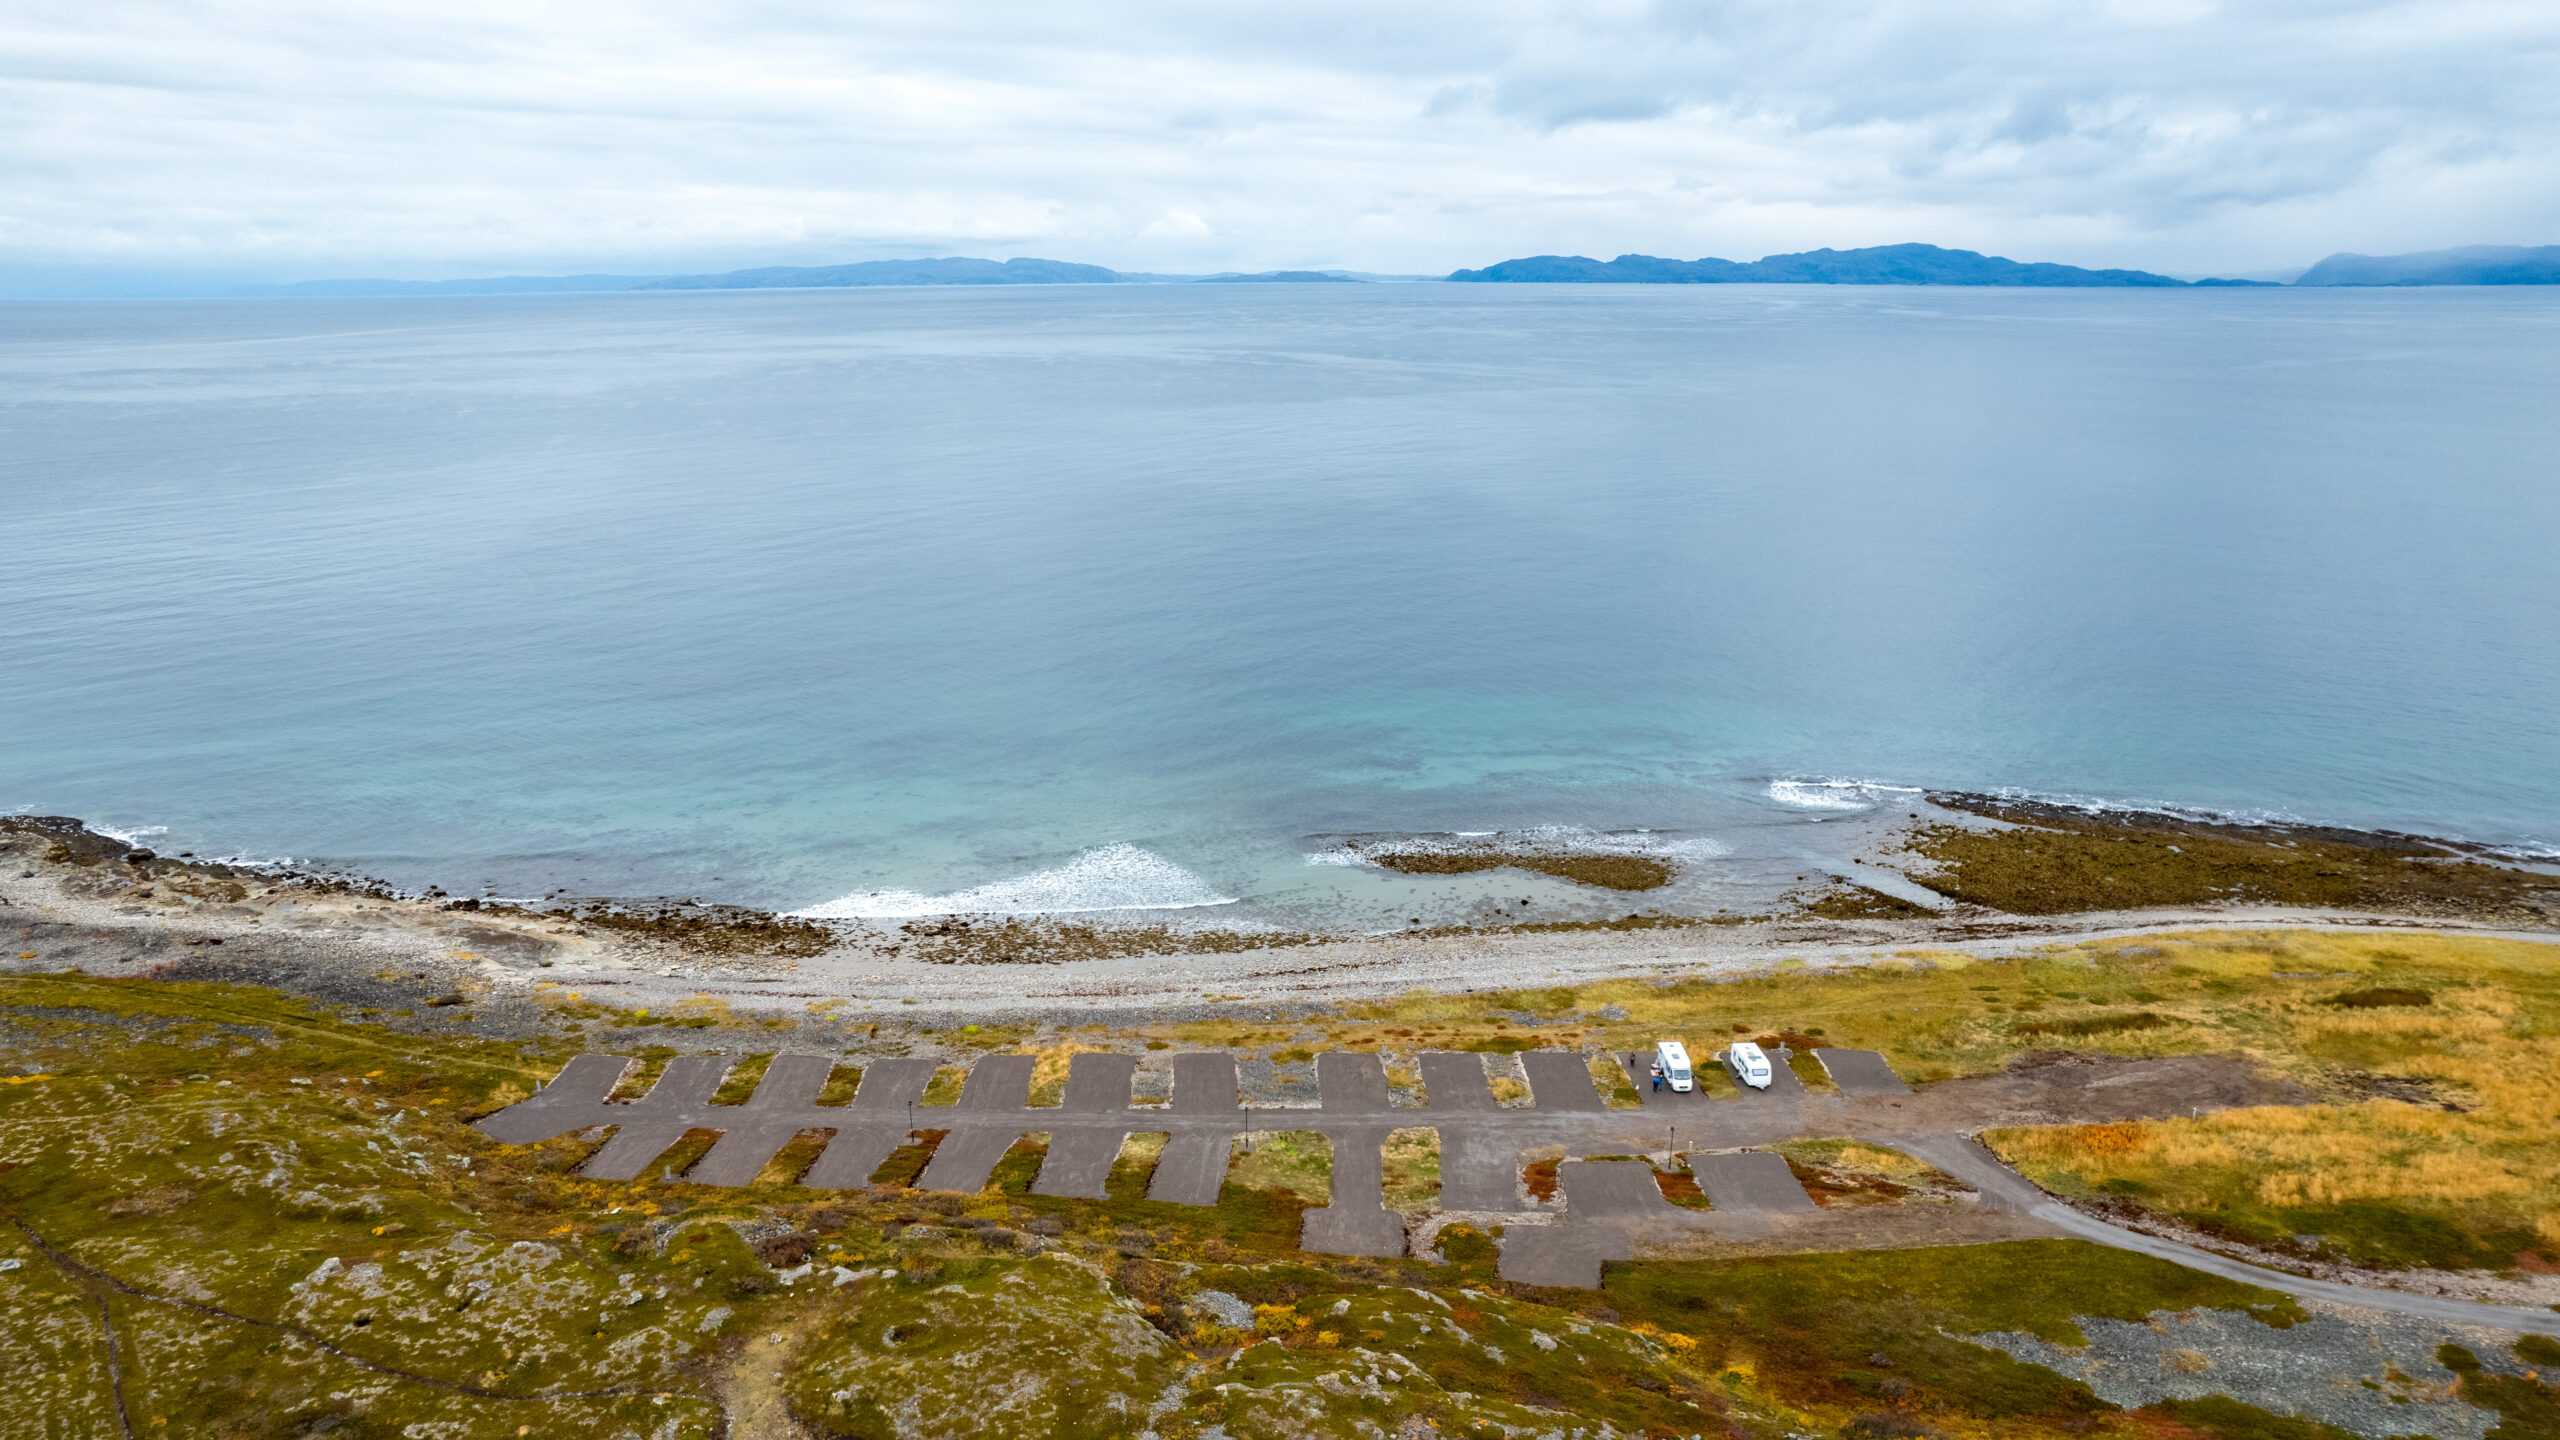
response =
{"points": [[313, 138]]}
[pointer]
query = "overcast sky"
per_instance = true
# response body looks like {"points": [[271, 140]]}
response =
{"points": [[331, 137]]}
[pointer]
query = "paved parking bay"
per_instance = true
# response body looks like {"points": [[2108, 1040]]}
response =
{"points": [[1204, 1083], [1193, 1167], [1613, 1190], [891, 1085], [1561, 1080], [1098, 1084], [1608, 1204], [1479, 1169], [1754, 1180], [851, 1157], [1455, 1081], [1079, 1161], [1860, 1072]]}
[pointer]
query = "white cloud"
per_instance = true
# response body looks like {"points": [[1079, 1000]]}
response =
{"points": [[324, 138]]}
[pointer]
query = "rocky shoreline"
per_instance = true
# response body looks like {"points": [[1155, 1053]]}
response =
{"points": [[79, 899]]}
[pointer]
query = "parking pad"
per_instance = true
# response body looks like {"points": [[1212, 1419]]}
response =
{"points": [[1078, 1163], [1861, 1072], [1754, 1180], [1561, 1080], [965, 1159], [1098, 1083], [1479, 1169], [1454, 1080], [1192, 1168], [852, 1156]]}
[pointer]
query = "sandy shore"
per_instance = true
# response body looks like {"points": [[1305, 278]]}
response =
{"points": [[84, 906]]}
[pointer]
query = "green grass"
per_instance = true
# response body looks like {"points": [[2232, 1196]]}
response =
{"points": [[1807, 1325]]}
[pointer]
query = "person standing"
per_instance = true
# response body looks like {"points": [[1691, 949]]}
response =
{"points": [[1657, 1075]]}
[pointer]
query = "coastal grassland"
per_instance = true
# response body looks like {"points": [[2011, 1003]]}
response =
{"points": [[1299, 1162], [2053, 860], [276, 1258], [2439, 1148], [2425, 1136], [1105, 1343], [269, 1217], [1881, 1330]]}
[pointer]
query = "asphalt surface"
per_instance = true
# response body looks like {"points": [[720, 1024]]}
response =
{"points": [[1606, 1202], [1860, 1072], [1752, 1180]]}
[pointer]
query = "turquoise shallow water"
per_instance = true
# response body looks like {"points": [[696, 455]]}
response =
{"points": [[786, 598]]}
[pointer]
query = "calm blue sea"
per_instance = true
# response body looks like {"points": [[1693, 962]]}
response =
{"points": [[1092, 596]]}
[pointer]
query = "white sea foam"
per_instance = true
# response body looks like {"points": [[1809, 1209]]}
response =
{"points": [[1112, 877], [1824, 793], [134, 836], [2101, 805]]}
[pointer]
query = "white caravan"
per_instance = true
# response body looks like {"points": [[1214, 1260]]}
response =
{"points": [[1673, 1059], [1749, 1063]]}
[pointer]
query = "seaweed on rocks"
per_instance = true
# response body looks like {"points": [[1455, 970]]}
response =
{"points": [[1606, 872], [2049, 859], [1846, 901], [714, 929], [966, 940]]}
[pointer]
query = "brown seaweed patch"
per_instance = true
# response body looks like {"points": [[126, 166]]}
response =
{"points": [[714, 929], [1608, 872], [2058, 860], [1845, 901]]}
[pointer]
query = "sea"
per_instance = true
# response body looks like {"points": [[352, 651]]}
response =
{"points": [[1179, 603]]}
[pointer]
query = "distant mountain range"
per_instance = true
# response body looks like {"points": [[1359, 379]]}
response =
{"points": [[2470, 265], [954, 270], [1874, 265]]}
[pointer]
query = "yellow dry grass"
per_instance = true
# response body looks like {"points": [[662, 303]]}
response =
{"points": [[1049, 1070], [2458, 1098], [2490, 1044]]}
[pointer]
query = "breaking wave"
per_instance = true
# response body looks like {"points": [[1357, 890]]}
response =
{"points": [[1838, 795], [1111, 877]]}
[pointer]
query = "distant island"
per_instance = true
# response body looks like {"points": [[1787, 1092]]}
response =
{"points": [[948, 270], [1873, 265], [1932, 265], [2470, 265]]}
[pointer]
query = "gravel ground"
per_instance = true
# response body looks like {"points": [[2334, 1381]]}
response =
{"points": [[2357, 1369]]}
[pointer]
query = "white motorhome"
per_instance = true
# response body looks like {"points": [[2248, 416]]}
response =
{"points": [[1673, 1059], [1749, 1063]]}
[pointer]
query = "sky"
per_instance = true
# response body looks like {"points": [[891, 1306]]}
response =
{"points": [[293, 139]]}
